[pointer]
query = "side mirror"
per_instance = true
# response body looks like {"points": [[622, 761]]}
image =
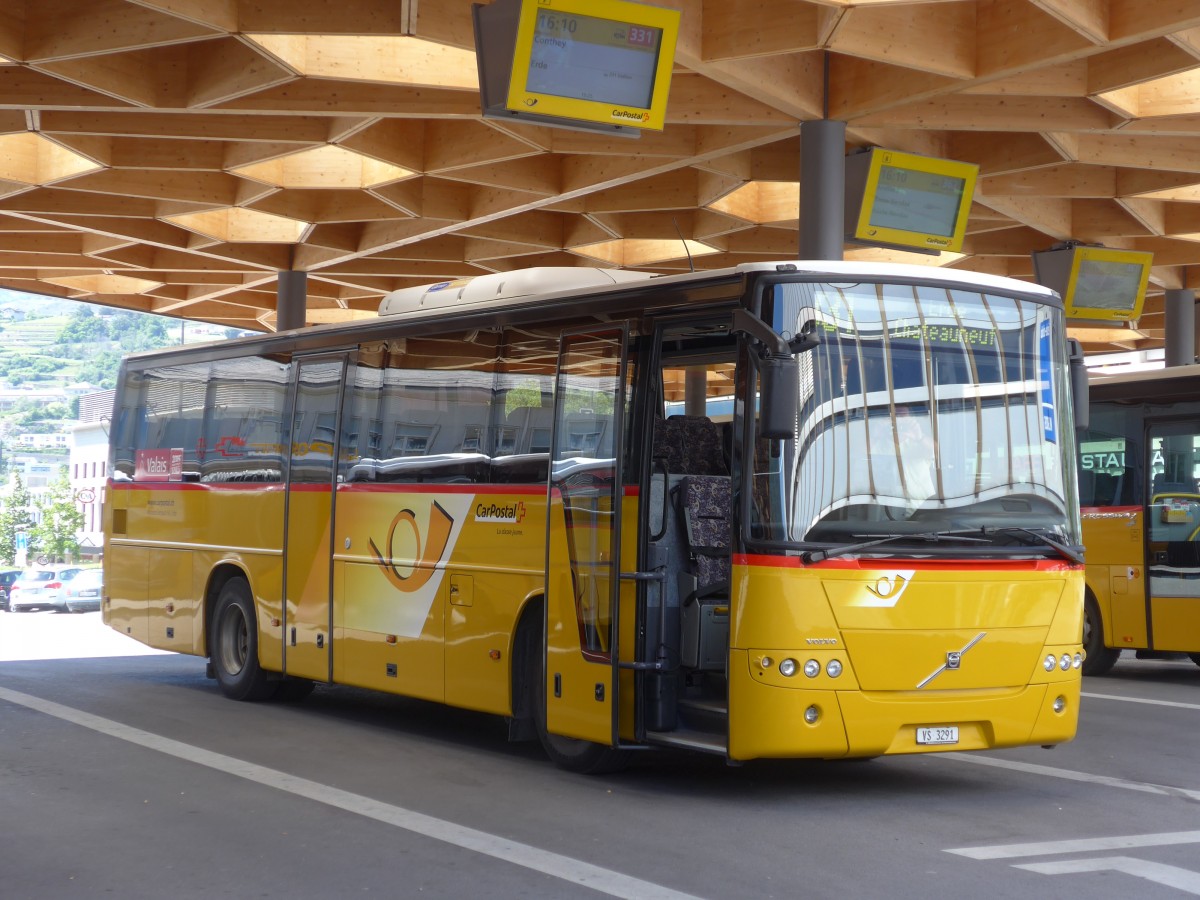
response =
{"points": [[1079, 385], [779, 396]]}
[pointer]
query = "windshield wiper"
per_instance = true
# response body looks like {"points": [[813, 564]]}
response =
{"points": [[815, 556], [1037, 537]]}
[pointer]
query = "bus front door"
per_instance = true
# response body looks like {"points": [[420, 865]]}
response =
{"points": [[1173, 537], [584, 536], [308, 548]]}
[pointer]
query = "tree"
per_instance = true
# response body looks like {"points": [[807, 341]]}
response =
{"points": [[14, 518], [56, 536], [84, 327]]}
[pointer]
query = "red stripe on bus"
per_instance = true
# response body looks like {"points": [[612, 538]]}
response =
{"points": [[986, 565], [1100, 510]]}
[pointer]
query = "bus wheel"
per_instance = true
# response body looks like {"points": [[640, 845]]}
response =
{"points": [[1097, 659], [567, 753], [1195, 657], [235, 645]]}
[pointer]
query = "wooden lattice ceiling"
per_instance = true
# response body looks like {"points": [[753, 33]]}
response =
{"points": [[191, 149]]}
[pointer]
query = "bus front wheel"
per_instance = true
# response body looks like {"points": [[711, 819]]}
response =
{"points": [[567, 753], [234, 651], [1097, 659]]}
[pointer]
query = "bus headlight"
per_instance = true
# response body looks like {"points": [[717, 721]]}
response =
{"points": [[1065, 662], [1049, 663], [833, 668], [787, 668], [1077, 661], [812, 715], [812, 668]]}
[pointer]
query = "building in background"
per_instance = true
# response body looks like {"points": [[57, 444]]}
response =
{"points": [[87, 468]]}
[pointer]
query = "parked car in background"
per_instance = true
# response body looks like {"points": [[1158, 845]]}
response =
{"points": [[41, 589], [7, 577], [82, 593]]}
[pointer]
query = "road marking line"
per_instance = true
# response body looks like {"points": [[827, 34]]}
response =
{"points": [[1069, 775], [1171, 876], [1081, 845], [576, 871], [1173, 703]]}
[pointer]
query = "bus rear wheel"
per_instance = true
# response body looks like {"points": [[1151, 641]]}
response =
{"points": [[234, 650], [1097, 659]]}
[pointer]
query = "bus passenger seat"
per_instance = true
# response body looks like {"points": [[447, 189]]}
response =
{"points": [[706, 502], [701, 447]]}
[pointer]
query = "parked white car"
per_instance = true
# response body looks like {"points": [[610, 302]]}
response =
{"points": [[41, 589]]}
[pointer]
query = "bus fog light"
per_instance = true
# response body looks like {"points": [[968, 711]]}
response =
{"points": [[812, 714], [767, 662], [1077, 661], [812, 668], [1065, 663], [1060, 703], [1049, 663], [787, 668], [833, 668]]}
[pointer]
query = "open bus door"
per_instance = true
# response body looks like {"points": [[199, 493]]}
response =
{"points": [[583, 537], [1173, 536]]}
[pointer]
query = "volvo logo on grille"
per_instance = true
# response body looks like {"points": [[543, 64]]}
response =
{"points": [[953, 659]]}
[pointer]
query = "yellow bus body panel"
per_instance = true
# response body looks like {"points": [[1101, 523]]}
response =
{"points": [[1116, 574], [893, 631], [160, 553], [428, 588]]}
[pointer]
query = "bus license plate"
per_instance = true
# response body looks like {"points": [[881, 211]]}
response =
{"points": [[940, 734]]}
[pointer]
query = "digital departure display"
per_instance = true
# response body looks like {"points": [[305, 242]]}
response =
{"points": [[1097, 284], [1107, 284], [591, 65], [593, 59], [911, 200], [906, 201]]}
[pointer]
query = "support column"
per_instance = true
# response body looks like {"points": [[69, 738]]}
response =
{"points": [[291, 299], [695, 391], [822, 189], [1179, 346]]}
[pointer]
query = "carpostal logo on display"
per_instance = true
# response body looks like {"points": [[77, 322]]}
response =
{"points": [[500, 513], [631, 115]]}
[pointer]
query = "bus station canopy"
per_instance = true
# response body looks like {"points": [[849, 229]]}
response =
{"points": [[173, 156]]}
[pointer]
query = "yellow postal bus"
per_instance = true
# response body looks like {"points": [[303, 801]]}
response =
{"points": [[782, 510], [1139, 463]]}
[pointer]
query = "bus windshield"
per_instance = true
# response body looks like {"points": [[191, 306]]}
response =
{"points": [[927, 411]]}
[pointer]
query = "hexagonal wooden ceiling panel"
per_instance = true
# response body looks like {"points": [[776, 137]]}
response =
{"points": [[198, 147]]}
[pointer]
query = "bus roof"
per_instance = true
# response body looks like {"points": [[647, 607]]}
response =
{"points": [[561, 280], [1171, 383]]}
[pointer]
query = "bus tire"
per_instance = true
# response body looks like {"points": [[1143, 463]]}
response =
{"points": [[571, 754], [1195, 657], [1097, 659], [235, 645]]}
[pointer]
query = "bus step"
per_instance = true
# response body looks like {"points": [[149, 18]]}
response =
{"points": [[702, 741], [704, 714]]}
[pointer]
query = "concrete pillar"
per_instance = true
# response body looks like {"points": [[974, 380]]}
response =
{"points": [[822, 189], [1179, 345], [291, 299]]}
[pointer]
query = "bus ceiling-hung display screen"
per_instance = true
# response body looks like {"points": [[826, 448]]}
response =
{"points": [[1097, 284], [911, 202], [593, 65]]}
